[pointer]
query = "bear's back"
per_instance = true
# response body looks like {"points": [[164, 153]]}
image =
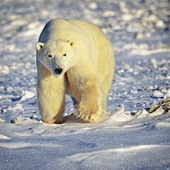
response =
{"points": [[69, 29]]}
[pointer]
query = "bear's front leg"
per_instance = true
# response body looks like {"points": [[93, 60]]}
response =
{"points": [[91, 107], [51, 99]]}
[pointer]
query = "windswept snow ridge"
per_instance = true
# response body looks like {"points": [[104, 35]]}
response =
{"points": [[134, 133]]}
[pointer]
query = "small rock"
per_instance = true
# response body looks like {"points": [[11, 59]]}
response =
{"points": [[138, 35], [108, 13], [158, 112], [148, 34], [160, 24], [123, 7], [139, 12], [154, 62], [154, 108], [93, 5], [3, 137], [142, 113], [34, 117], [152, 18], [18, 120], [27, 95], [4, 69], [157, 94], [2, 120], [145, 112], [127, 17], [167, 95]]}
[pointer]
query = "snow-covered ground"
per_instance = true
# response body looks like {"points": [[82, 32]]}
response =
{"points": [[130, 137]]}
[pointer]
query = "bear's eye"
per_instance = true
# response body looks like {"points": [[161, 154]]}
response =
{"points": [[64, 55], [50, 56]]}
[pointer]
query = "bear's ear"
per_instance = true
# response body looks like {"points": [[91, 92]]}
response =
{"points": [[71, 42], [39, 46]]}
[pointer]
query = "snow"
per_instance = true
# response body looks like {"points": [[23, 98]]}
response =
{"points": [[135, 131]]}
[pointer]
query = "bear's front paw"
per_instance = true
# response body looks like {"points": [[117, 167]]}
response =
{"points": [[89, 114], [54, 121]]}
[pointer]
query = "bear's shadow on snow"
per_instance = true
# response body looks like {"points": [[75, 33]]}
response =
{"points": [[73, 119]]}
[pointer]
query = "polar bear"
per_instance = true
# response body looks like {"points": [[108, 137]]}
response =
{"points": [[73, 57]]}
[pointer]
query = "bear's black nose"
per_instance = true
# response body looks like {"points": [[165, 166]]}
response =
{"points": [[58, 70]]}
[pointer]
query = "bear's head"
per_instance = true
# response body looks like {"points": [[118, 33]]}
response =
{"points": [[56, 55]]}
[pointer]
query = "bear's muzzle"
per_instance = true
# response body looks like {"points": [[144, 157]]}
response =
{"points": [[58, 70]]}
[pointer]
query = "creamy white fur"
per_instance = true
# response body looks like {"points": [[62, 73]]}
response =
{"points": [[86, 57]]}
